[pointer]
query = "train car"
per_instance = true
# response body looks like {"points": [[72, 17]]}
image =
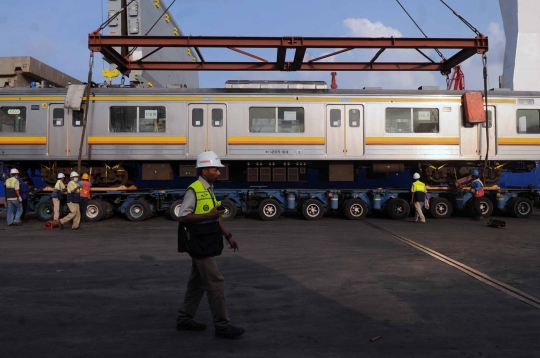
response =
{"points": [[267, 136]]}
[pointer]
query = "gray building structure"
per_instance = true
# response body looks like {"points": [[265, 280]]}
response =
{"points": [[139, 18]]}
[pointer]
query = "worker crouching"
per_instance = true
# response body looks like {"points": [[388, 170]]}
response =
{"points": [[73, 199], [201, 234], [419, 196]]}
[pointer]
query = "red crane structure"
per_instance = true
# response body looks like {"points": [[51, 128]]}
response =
{"points": [[108, 45], [457, 83]]}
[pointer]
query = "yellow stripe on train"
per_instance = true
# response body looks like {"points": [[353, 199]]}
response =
{"points": [[412, 141], [519, 141], [139, 140], [255, 140], [23, 140]]}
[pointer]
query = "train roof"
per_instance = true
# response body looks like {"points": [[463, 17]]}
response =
{"points": [[256, 91]]}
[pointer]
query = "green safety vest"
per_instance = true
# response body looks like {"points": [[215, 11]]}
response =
{"points": [[205, 200], [10, 188]]}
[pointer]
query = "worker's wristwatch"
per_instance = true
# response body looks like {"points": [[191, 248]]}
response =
{"points": [[228, 236]]}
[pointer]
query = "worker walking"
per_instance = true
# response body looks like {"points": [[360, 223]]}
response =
{"points": [[477, 189], [418, 197], [85, 195], [13, 198], [58, 194], [73, 199], [200, 221]]}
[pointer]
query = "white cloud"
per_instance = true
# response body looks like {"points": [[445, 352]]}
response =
{"points": [[365, 28]]}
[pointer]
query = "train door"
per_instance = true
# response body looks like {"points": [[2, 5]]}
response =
{"points": [[207, 129], [57, 144], [65, 130], [344, 130], [492, 130]]}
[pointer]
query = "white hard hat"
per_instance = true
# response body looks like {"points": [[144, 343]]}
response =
{"points": [[209, 160], [61, 175], [416, 176], [73, 175], [14, 171]]}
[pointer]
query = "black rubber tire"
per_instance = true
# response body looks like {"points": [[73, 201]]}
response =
{"points": [[522, 207], [486, 206], [45, 210], [312, 209], [355, 209], [270, 209], [95, 210], [109, 209], [230, 210], [440, 208], [137, 210], [174, 210], [397, 209]]}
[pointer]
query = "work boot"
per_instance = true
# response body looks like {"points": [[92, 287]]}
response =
{"points": [[191, 326], [77, 228], [16, 224], [230, 332]]}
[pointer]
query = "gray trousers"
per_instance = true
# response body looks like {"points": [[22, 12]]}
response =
{"points": [[205, 277]]}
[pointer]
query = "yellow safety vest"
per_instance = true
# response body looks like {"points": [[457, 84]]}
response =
{"points": [[57, 185], [10, 188], [419, 186], [205, 200]]}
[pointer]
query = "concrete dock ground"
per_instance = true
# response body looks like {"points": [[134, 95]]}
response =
{"points": [[299, 288]]}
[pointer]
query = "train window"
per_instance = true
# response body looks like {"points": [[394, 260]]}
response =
{"points": [[77, 118], [290, 120], [335, 118], [217, 117], [58, 117], [123, 119], [528, 121], [262, 120], [354, 118], [197, 117], [152, 119], [398, 120], [13, 119], [490, 120], [425, 120]]}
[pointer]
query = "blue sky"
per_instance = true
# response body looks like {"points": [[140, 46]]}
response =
{"points": [[56, 32]]}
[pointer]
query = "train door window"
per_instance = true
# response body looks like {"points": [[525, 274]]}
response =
{"points": [[425, 120], [197, 117], [152, 119], [528, 121], [13, 119], [262, 120], [217, 117], [58, 117], [123, 119], [77, 118], [354, 118], [335, 118], [490, 120], [398, 120], [290, 120]]}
